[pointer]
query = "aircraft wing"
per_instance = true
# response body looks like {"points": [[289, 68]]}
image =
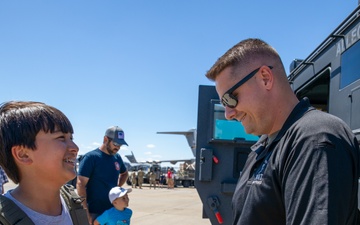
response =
{"points": [[174, 161], [131, 158]]}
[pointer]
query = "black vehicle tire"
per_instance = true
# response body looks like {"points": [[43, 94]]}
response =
{"points": [[186, 183]]}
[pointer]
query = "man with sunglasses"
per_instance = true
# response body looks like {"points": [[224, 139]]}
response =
{"points": [[99, 171], [305, 167]]}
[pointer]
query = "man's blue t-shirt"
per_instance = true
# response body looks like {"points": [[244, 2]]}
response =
{"points": [[115, 217], [103, 172]]}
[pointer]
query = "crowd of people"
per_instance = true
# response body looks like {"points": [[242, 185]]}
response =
{"points": [[155, 176]]}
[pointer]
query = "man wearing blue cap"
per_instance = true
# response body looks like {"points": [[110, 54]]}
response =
{"points": [[99, 171]]}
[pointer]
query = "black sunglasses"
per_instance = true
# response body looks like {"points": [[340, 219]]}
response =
{"points": [[228, 99], [115, 144]]}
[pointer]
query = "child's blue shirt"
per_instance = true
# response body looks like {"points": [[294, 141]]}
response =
{"points": [[113, 216]]}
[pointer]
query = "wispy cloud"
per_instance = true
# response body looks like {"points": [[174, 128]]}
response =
{"points": [[124, 147]]}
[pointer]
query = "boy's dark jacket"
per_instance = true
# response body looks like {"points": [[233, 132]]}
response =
{"points": [[11, 214]]}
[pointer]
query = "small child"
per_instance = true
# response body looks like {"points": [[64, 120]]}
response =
{"points": [[119, 214]]}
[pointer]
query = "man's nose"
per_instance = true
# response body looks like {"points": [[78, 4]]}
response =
{"points": [[230, 113]]}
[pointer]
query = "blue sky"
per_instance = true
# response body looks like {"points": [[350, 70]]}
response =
{"points": [[138, 64]]}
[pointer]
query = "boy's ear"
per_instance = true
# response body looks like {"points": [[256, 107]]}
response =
{"points": [[21, 155]]}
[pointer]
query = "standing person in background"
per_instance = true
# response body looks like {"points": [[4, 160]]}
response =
{"points": [[141, 175], [170, 179], [3, 180], [99, 171], [162, 180], [152, 179], [157, 177], [305, 167], [133, 179]]}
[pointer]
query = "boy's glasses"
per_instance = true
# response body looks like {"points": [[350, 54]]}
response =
{"points": [[228, 99]]}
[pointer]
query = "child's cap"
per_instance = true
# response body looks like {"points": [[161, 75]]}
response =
{"points": [[117, 192]]}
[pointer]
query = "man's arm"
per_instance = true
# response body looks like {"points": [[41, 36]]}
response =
{"points": [[81, 190], [122, 178], [315, 183]]}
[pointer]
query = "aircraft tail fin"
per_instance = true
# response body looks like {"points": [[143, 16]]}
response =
{"points": [[131, 158], [190, 136]]}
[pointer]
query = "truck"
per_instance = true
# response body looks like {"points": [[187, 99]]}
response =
{"points": [[185, 176], [329, 77]]}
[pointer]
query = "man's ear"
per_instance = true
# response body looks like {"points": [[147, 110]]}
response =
{"points": [[106, 139], [267, 77], [21, 154]]}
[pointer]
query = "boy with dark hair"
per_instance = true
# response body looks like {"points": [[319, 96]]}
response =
{"points": [[37, 152]]}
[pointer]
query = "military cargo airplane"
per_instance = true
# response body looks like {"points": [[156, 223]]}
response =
{"points": [[190, 136]]}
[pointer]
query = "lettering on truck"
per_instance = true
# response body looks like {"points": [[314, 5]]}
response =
{"points": [[348, 40]]}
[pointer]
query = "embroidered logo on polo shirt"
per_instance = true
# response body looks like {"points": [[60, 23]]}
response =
{"points": [[258, 175]]}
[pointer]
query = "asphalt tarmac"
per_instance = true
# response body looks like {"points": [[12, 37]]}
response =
{"points": [[176, 206]]}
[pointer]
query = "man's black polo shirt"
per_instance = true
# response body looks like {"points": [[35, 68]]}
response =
{"points": [[307, 175]]}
